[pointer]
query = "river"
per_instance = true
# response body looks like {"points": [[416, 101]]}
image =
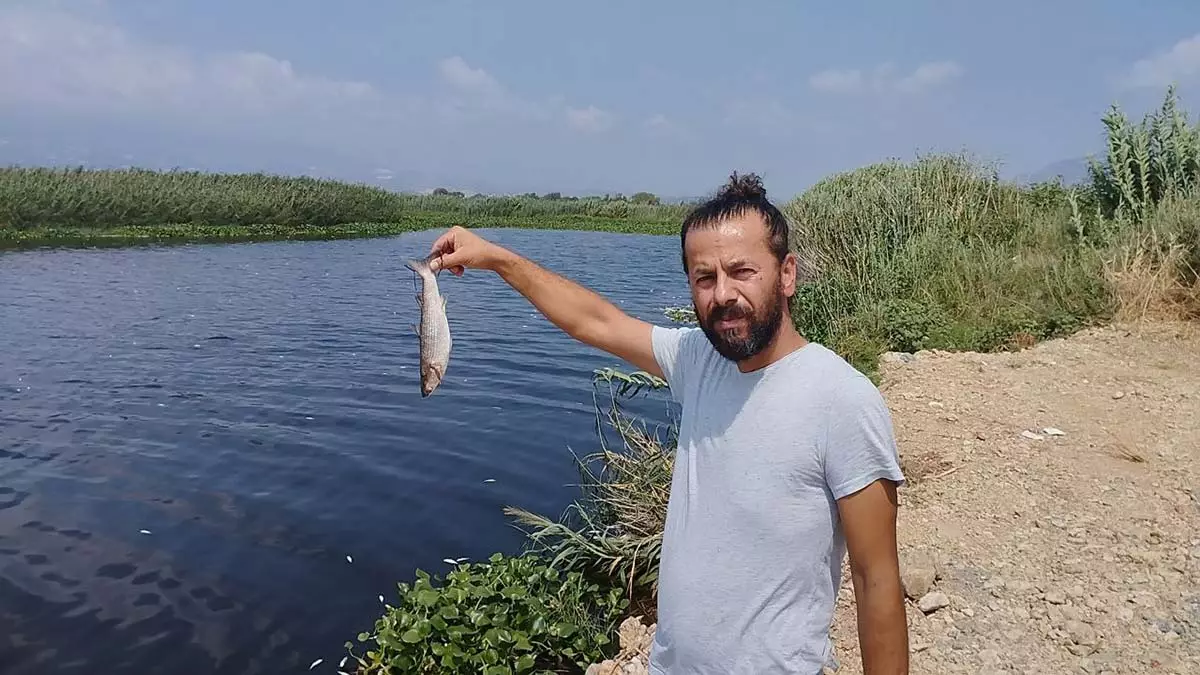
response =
{"points": [[215, 458]]}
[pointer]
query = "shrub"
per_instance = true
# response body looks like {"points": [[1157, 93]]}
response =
{"points": [[508, 615], [1148, 162], [941, 254], [613, 533]]}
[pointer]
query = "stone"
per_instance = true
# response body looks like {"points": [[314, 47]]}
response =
{"points": [[1056, 598], [919, 570], [931, 602], [1081, 633]]}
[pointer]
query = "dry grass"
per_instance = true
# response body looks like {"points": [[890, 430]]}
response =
{"points": [[1147, 288]]}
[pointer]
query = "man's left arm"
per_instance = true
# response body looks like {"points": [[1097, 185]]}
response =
{"points": [[869, 523], [863, 472]]}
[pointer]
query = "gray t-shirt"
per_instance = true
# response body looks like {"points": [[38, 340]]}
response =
{"points": [[752, 548]]}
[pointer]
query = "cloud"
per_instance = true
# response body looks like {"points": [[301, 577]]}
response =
{"points": [[52, 59], [456, 72], [837, 81], [1180, 63], [589, 120], [885, 79]]}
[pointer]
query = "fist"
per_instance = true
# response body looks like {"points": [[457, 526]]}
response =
{"points": [[459, 248]]}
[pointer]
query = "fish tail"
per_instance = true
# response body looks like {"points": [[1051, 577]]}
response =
{"points": [[420, 266]]}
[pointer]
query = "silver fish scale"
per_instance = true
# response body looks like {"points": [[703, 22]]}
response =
{"points": [[434, 330]]}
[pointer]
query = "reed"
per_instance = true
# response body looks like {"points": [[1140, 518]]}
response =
{"points": [[74, 206]]}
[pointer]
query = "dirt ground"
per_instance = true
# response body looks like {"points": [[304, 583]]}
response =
{"points": [[1052, 521]]}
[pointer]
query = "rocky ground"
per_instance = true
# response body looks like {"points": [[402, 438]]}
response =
{"points": [[1052, 523]]}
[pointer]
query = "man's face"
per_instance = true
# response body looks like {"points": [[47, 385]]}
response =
{"points": [[739, 289]]}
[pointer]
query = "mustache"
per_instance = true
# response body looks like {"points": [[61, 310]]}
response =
{"points": [[729, 312]]}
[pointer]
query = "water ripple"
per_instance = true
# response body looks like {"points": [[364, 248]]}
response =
{"points": [[193, 439]]}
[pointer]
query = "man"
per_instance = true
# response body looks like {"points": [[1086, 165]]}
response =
{"points": [[785, 458]]}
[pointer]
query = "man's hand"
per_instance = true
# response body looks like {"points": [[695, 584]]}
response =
{"points": [[460, 248], [578, 311], [869, 523]]}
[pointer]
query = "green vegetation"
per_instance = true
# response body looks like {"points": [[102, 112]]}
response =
{"points": [[40, 207], [508, 615]]}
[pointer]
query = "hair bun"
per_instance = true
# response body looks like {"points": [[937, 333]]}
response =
{"points": [[744, 187]]}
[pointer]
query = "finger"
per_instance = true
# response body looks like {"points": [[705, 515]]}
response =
{"points": [[450, 261], [443, 243]]}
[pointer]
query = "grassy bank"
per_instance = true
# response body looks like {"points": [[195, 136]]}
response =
{"points": [[932, 254], [75, 207], [132, 235]]}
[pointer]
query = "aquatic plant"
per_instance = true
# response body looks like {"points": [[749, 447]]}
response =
{"points": [[510, 614]]}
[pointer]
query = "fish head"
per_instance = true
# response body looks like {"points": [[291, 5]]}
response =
{"points": [[431, 377]]}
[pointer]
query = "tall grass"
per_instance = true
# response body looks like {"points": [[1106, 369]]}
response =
{"points": [[41, 202], [940, 254], [613, 533]]}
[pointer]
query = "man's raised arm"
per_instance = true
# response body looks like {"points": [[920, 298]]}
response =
{"points": [[581, 313]]}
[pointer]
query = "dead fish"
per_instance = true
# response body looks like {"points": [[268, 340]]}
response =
{"points": [[434, 330]]}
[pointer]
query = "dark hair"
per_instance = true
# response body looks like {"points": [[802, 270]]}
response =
{"points": [[740, 195]]}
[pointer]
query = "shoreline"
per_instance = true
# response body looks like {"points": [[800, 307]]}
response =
{"points": [[35, 238]]}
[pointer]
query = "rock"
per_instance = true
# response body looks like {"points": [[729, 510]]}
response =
{"points": [[918, 581], [1118, 395], [1031, 436], [1056, 598], [932, 602], [1081, 633], [919, 570], [634, 658]]}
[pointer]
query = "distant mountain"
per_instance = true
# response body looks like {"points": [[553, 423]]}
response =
{"points": [[1073, 171]]}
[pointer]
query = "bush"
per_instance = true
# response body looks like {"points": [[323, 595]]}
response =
{"points": [[1148, 162], [941, 254], [508, 615]]}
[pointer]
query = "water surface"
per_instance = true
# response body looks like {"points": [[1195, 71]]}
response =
{"points": [[193, 440]]}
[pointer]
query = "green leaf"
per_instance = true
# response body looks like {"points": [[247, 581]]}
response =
{"points": [[411, 636]]}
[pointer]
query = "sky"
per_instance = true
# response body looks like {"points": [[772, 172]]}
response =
{"points": [[579, 98]]}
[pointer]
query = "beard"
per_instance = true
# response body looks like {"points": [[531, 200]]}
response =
{"points": [[762, 328]]}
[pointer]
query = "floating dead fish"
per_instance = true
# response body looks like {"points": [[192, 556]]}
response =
{"points": [[315, 663], [434, 331], [1051, 431]]}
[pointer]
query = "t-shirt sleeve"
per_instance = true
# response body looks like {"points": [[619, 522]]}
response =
{"points": [[671, 350], [860, 443]]}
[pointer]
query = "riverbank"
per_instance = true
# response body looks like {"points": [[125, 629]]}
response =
{"points": [[1051, 520], [135, 235], [117, 207]]}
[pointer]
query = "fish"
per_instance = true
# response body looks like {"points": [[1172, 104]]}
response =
{"points": [[434, 330]]}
